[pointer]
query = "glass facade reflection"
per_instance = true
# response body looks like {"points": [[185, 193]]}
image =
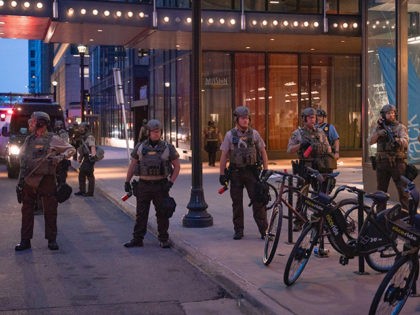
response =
{"points": [[268, 84]]}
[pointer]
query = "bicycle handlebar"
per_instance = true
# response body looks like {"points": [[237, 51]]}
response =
{"points": [[269, 173]]}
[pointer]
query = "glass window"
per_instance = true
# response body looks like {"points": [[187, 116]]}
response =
{"points": [[381, 76], [183, 101], [413, 82], [250, 87], [283, 102], [217, 90]]}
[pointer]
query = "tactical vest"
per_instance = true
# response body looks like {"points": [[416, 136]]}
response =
{"points": [[244, 151], [385, 146], [211, 134], [36, 150], [311, 136], [326, 129], [154, 161]]}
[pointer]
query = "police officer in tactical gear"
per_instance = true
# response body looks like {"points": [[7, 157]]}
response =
{"points": [[64, 165], [330, 131], [245, 150], [310, 143], [391, 138], [86, 156], [156, 162], [212, 138], [39, 156]]}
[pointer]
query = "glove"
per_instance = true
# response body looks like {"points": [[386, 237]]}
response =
{"points": [[127, 187], [91, 159], [381, 132], [19, 192], [305, 144], [168, 185], [380, 122], [223, 180]]}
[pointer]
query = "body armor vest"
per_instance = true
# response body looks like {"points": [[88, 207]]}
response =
{"points": [[154, 161], [311, 136], [211, 133], [36, 151], [385, 145], [244, 151]]}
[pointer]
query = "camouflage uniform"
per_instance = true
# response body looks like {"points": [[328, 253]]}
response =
{"points": [[391, 158], [39, 157]]}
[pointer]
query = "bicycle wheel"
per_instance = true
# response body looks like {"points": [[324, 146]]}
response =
{"points": [[272, 235], [350, 208], [382, 260], [300, 253], [273, 193], [395, 287]]}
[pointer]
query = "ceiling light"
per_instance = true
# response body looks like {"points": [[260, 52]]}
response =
{"points": [[118, 13], [232, 21], [285, 23], [254, 22], [39, 5], [275, 22], [95, 12], [26, 4], [83, 11], [264, 22], [345, 25], [13, 4], [189, 20], [1, 3], [70, 12], [211, 21], [141, 14], [222, 21], [106, 13], [306, 23], [130, 14], [316, 24], [355, 25], [166, 19]]}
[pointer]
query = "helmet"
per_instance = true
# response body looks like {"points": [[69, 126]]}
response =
{"points": [[321, 112], [144, 122], [42, 119], [387, 108], [153, 124], [58, 125], [308, 111], [241, 111]]}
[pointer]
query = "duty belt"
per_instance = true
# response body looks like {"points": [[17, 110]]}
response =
{"points": [[153, 182]]}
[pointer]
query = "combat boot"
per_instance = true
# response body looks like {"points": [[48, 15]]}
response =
{"points": [[24, 244]]}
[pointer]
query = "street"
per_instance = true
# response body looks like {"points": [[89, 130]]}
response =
{"points": [[92, 273]]}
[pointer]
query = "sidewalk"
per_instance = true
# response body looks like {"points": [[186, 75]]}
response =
{"points": [[324, 287]]}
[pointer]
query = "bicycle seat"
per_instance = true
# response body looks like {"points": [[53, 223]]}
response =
{"points": [[331, 175], [378, 196]]}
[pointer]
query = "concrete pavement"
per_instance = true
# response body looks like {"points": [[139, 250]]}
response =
{"points": [[324, 287]]}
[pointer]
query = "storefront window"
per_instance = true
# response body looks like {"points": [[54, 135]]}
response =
{"points": [[250, 87], [381, 73], [217, 90], [413, 82], [282, 100], [183, 131]]}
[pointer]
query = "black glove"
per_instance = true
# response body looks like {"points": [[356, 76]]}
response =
{"points": [[168, 185], [305, 144], [223, 180], [19, 192], [127, 187], [92, 159]]}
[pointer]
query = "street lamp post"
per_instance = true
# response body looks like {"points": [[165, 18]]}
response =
{"points": [[54, 84], [82, 50]]}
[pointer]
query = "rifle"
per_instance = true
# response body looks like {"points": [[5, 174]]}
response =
{"points": [[390, 134]]}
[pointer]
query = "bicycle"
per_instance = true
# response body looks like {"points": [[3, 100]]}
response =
{"points": [[288, 184], [400, 281], [328, 220]]}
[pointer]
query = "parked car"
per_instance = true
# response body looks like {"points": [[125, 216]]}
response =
{"points": [[18, 128]]}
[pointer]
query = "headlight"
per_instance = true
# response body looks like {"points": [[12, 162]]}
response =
{"points": [[14, 149]]}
